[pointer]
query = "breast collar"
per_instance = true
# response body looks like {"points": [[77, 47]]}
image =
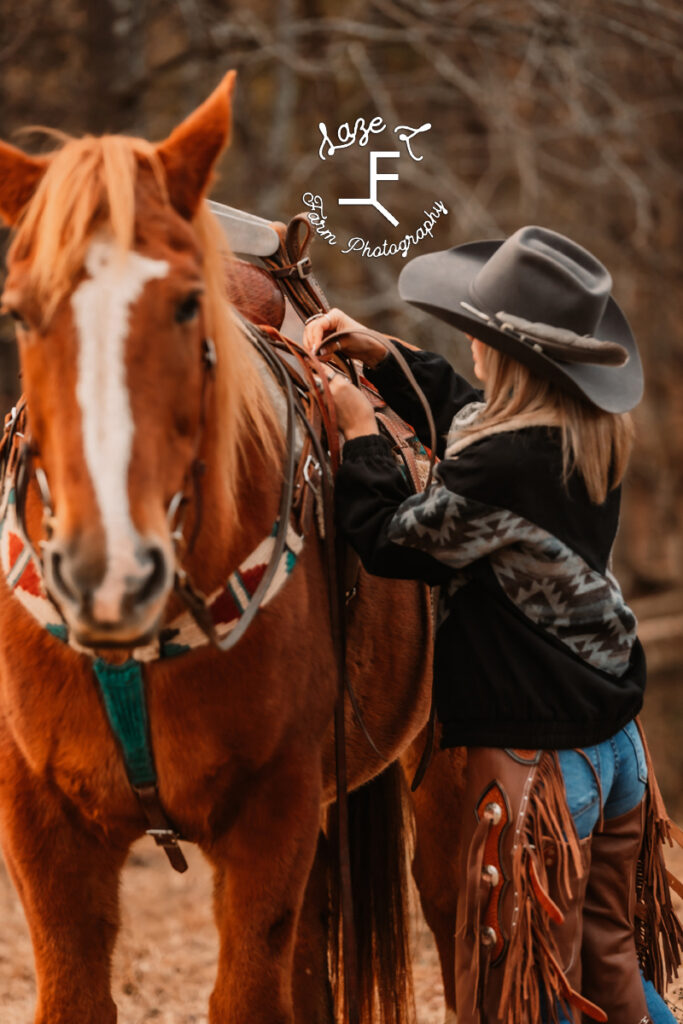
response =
{"points": [[23, 573]]}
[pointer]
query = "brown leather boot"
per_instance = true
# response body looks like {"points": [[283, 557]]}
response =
{"points": [[611, 975]]}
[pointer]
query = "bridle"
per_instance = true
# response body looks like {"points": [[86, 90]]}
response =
{"points": [[183, 585], [191, 487]]}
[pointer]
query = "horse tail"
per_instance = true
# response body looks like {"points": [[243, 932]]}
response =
{"points": [[380, 834]]}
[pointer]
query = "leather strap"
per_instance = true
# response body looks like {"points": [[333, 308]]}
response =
{"points": [[291, 267], [159, 827], [12, 437], [122, 689], [184, 587]]}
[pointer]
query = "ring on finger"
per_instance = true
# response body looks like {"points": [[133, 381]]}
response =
{"points": [[315, 316]]}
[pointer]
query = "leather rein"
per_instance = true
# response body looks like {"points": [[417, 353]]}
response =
{"points": [[321, 402]]}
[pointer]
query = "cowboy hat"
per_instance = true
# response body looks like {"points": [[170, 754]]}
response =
{"points": [[542, 299]]}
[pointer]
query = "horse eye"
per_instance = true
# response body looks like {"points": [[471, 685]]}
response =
{"points": [[188, 309]]}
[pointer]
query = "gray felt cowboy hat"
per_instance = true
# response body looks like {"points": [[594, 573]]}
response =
{"points": [[541, 298]]}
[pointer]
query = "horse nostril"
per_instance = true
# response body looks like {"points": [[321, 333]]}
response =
{"points": [[111, 594], [156, 577]]}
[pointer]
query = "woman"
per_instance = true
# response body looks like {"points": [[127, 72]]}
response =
{"points": [[538, 669]]}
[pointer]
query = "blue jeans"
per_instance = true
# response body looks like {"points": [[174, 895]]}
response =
{"points": [[620, 765]]}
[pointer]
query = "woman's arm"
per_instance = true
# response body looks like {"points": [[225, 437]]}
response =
{"points": [[369, 489], [445, 390], [424, 536], [427, 536]]}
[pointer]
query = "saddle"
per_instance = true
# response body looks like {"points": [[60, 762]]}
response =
{"points": [[278, 294]]}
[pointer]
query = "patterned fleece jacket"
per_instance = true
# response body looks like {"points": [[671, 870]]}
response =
{"points": [[535, 646]]}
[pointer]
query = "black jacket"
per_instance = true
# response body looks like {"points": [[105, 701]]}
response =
{"points": [[534, 646]]}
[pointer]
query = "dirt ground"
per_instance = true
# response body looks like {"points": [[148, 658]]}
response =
{"points": [[166, 955]]}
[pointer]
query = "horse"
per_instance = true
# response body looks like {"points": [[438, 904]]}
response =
{"points": [[150, 476]]}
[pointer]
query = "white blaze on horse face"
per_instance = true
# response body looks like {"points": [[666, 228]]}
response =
{"points": [[101, 305]]}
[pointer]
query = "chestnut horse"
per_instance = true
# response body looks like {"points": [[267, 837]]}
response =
{"points": [[115, 281]]}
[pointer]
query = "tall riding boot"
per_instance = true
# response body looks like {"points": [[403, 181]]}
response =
{"points": [[611, 975]]}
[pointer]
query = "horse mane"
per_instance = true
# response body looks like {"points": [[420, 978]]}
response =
{"points": [[90, 183]]}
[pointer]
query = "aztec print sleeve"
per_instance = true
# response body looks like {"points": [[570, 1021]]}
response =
{"points": [[424, 536], [445, 390], [410, 536]]}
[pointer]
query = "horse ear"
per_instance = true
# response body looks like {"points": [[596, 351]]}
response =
{"points": [[191, 150], [20, 175]]}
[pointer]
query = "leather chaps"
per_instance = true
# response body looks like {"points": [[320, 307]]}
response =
{"points": [[548, 924]]}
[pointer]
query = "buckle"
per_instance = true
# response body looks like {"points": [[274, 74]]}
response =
{"points": [[163, 836], [303, 267], [311, 464], [11, 421], [313, 467], [168, 838], [209, 357]]}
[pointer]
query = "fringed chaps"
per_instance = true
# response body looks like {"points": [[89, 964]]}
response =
{"points": [[527, 880], [659, 934]]}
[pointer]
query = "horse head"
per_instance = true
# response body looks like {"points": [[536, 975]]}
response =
{"points": [[113, 283]]}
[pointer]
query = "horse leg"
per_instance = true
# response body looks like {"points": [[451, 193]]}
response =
{"points": [[313, 1002], [436, 804], [67, 877], [442, 925], [262, 860]]}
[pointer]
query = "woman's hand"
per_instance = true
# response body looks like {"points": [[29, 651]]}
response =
{"points": [[367, 348], [355, 415]]}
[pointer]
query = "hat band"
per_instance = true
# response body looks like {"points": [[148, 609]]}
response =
{"points": [[473, 309], [502, 325], [556, 342]]}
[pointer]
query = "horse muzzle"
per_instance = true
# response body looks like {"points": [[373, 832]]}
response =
{"points": [[109, 601]]}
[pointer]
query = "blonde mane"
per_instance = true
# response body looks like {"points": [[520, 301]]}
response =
{"points": [[90, 183]]}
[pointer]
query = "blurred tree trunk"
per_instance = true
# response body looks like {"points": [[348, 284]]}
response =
{"points": [[280, 138], [8, 352], [116, 65], [9, 384]]}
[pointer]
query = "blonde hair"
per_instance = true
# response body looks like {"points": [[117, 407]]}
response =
{"points": [[596, 444], [91, 183]]}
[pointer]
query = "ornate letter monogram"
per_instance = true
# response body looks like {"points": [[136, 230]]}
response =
{"points": [[359, 133]]}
